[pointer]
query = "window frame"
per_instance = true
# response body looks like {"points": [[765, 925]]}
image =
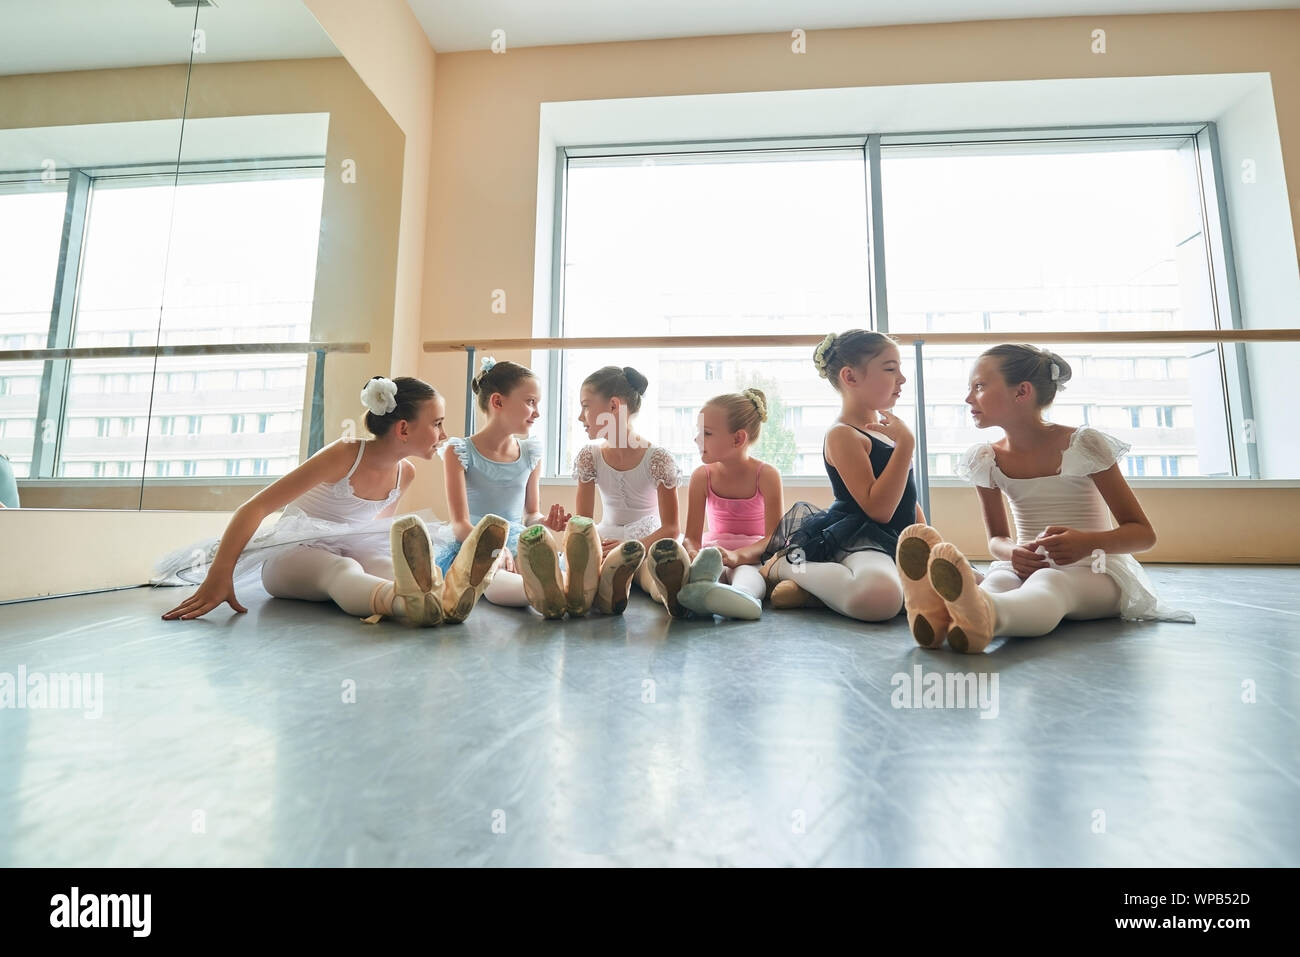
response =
{"points": [[1215, 230], [56, 375]]}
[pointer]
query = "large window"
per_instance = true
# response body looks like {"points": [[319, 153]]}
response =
{"points": [[209, 256], [1040, 232]]}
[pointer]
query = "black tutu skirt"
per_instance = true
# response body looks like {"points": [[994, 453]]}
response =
{"points": [[829, 534]]}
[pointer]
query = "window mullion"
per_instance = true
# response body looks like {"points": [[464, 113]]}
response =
{"points": [[56, 372]]}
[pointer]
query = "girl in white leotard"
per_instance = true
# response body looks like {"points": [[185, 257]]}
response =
{"points": [[1065, 558], [332, 541]]}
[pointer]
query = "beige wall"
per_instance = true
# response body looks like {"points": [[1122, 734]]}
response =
{"points": [[387, 47], [483, 188]]}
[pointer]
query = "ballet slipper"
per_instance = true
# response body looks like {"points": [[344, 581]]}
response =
{"points": [[768, 571], [928, 618], [714, 598], [789, 594], [707, 566], [669, 566], [416, 579], [973, 619], [616, 574], [582, 556], [539, 566], [471, 570]]}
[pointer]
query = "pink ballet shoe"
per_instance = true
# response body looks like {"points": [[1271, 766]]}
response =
{"points": [[972, 614], [928, 618]]}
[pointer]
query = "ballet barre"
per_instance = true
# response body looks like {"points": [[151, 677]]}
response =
{"points": [[316, 429], [915, 339]]}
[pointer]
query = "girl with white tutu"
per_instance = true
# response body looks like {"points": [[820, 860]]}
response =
{"points": [[637, 482], [1066, 559], [336, 539]]}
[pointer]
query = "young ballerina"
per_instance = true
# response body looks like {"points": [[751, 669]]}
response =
{"points": [[494, 471], [335, 539], [637, 482], [843, 556], [1066, 559], [742, 501]]}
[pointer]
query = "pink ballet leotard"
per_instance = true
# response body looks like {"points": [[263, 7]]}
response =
{"points": [[734, 522]]}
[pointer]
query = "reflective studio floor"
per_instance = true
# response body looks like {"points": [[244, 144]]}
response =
{"points": [[513, 741]]}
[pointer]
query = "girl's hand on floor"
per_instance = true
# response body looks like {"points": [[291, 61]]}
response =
{"points": [[558, 519], [1064, 545], [729, 558], [211, 594], [1026, 561], [507, 563], [607, 545]]}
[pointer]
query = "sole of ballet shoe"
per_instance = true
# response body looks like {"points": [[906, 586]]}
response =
{"points": [[539, 567], [928, 618], [423, 610], [707, 566], [971, 612], [471, 570], [582, 555], [412, 556], [616, 575], [788, 594], [669, 566], [715, 598]]}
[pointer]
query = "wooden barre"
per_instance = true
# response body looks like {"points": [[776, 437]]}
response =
{"points": [[211, 349], [903, 338]]}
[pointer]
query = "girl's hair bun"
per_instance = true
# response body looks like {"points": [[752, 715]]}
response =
{"points": [[757, 397], [636, 380]]}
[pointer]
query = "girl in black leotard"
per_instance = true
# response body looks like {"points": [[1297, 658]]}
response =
{"points": [[843, 556]]}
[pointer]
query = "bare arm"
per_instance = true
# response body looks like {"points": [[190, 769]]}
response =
{"points": [[668, 520], [585, 501], [877, 495], [1134, 533], [533, 498], [696, 496], [328, 465], [457, 498]]}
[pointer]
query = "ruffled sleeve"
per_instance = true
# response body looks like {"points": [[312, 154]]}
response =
{"points": [[976, 466], [1091, 451], [532, 447], [584, 465], [460, 447], [663, 468]]}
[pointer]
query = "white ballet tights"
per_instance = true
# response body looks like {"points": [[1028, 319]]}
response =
{"points": [[506, 588], [314, 574], [1036, 605], [748, 578], [864, 586]]}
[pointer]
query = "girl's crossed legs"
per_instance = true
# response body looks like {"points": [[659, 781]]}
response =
{"points": [[864, 586]]}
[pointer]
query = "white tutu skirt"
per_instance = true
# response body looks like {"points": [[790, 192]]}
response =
{"points": [[1137, 596], [189, 565], [639, 528]]}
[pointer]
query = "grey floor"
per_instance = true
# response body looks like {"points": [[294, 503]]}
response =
{"points": [[509, 740]]}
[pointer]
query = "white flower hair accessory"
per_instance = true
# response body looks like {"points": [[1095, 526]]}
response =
{"points": [[819, 357], [380, 395], [486, 365], [1056, 372]]}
